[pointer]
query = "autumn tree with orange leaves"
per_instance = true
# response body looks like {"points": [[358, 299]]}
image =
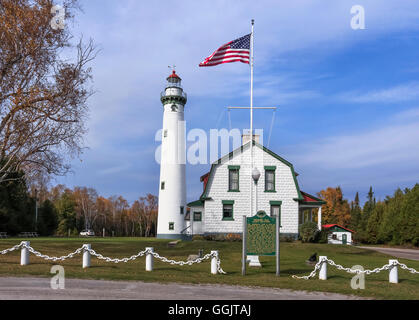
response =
{"points": [[336, 210], [43, 98]]}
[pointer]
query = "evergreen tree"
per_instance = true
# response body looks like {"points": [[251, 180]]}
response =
{"points": [[356, 212], [17, 210], [374, 222], [67, 221], [48, 219]]}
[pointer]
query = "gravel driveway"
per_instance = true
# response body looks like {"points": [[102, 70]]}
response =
{"points": [[412, 254]]}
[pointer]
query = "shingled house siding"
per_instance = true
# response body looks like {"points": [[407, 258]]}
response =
{"points": [[286, 192]]}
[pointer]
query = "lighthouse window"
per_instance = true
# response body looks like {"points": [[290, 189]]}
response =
{"points": [[182, 210], [171, 226], [163, 185], [165, 134]]}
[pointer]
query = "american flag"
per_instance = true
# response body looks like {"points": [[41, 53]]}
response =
{"points": [[235, 51]]}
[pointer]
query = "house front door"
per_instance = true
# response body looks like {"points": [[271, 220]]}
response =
{"points": [[344, 238]]}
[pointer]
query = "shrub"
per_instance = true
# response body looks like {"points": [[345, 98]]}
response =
{"points": [[322, 236], [197, 238], [233, 237], [308, 231], [286, 238]]}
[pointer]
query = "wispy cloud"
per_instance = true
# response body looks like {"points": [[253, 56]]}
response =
{"points": [[395, 142], [399, 93]]}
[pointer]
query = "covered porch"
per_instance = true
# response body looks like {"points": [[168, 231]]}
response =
{"points": [[308, 207]]}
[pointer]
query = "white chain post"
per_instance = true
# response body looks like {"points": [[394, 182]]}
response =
{"points": [[393, 272], [24, 253], [214, 261], [86, 255], [323, 268], [149, 259]]}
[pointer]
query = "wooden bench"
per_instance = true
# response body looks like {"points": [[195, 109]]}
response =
{"points": [[3, 235], [28, 235]]}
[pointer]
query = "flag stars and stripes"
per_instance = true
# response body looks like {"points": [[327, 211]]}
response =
{"points": [[235, 51]]}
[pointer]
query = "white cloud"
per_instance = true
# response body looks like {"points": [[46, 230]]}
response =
{"points": [[395, 143], [399, 93]]}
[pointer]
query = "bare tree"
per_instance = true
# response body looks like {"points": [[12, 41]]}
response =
{"points": [[149, 207], [43, 98], [86, 200]]}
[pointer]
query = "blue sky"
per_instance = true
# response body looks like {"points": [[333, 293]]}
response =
{"points": [[348, 99]]}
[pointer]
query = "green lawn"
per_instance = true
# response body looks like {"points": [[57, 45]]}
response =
{"points": [[293, 256]]}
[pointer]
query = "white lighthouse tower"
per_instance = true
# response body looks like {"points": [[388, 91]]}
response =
{"points": [[172, 194]]}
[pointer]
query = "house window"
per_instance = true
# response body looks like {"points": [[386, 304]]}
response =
{"points": [[233, 178], [163, 185], [228, 210], [171, 226], [182, 210], [275, 210], [197, 216], [334, 237], [270, 179]]}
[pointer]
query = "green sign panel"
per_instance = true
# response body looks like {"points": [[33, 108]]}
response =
{"points": [[261, 235]]}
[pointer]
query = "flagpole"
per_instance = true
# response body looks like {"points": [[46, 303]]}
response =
{"points": [[251, 117]]}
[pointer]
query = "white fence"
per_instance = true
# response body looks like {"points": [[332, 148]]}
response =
{"points": [[87, 251], [321, 267]]}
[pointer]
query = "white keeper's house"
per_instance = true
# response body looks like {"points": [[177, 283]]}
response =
{"points": [[226, 193], [226, 187]]}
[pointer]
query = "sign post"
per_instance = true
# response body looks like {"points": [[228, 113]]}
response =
{"points": [[278, 225], [244, 250], [261, 235], [261, 238]]}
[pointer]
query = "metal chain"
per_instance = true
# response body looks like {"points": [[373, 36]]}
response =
{"points": [[116, 260], [313, 273], [46, 257], [403, 266], [357, 271], [16, 247], [197, 260], [219, 269]]}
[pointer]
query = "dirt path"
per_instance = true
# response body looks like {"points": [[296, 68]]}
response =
{"points": [[412, 254], [39, 289]]}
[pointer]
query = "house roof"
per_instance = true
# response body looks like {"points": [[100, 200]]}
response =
{"points": [[240, 150], [310, 199], [197, 203], [328, 226]]}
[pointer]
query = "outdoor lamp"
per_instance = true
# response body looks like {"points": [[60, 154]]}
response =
{"points": [[256, 175]]}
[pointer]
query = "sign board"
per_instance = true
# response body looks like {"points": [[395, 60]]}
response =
{"points": [[261, 235]]}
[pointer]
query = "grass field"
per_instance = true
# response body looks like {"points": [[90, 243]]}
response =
{"points": [[293, 256]]}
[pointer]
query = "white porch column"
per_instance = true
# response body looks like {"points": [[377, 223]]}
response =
{"points": [[311, 215], [319, 219]]}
